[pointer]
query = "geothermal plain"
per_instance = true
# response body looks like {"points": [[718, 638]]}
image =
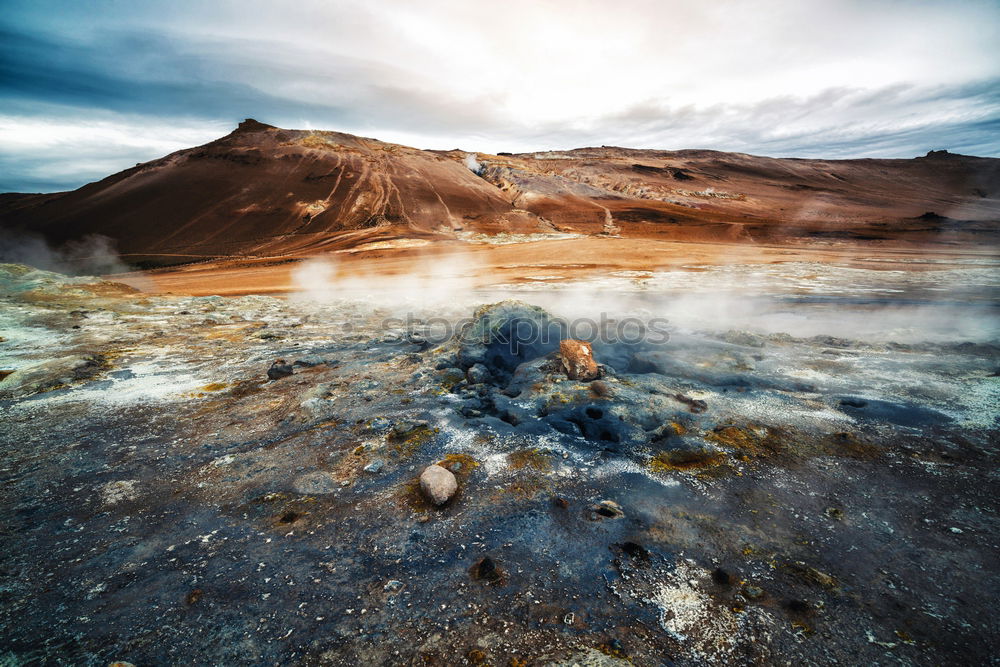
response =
{"points": [[786, 453]]}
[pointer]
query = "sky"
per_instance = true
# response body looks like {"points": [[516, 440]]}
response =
{"points": [[90, 88]]}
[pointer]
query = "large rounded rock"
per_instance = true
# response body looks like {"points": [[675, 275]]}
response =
{"points": [[504, 335], [438, 484]]}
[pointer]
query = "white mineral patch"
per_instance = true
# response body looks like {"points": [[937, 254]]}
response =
{"points": [[683, 605], [118, 491], [710, 631]]}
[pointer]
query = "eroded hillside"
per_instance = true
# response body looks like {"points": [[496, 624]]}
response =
{"points": [[266, 192]]}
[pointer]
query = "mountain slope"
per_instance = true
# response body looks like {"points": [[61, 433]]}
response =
{"points": [[266, 191], [262, 191]]}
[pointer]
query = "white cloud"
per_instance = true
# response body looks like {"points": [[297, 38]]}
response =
{"points": [[766, 76], [50, 150]]}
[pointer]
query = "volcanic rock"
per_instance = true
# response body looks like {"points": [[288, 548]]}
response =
{"points": [[438, 484], [50, 374], [487, 570], [279, 369], [608, 509], [506, 334], [578, 360], [477, 374], [315, 483]]}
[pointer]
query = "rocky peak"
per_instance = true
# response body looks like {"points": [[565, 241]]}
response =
{"points": [[251, 125]]}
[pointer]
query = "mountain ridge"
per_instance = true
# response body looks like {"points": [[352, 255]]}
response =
{"points": [[265, 191]]}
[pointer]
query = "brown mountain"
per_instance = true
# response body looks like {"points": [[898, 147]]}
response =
{"points": [[263, 191]]}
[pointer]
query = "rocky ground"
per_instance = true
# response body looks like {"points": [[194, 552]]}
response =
{"points": [[718, 495]]}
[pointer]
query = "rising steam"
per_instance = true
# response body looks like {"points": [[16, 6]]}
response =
{"points": [[91, 255], [436, 280], [473, 164]]}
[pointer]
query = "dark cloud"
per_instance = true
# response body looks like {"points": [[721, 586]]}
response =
{"points": [[41, 68], [428, 81], [174, 82]]}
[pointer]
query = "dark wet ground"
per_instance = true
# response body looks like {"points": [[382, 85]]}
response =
{"points": [[834, 501]]}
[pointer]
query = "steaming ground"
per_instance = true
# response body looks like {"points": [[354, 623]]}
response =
{"points": [[804, 472]]}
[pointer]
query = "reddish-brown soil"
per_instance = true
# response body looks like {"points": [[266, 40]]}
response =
{"points": [[482, 265]]}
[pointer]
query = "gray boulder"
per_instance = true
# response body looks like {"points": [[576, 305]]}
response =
{"points": [[438, 484]]}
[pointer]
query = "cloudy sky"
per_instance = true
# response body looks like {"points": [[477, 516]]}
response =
{"points": [[90, 88]]}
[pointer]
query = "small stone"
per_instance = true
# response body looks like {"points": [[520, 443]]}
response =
{"points": [[578, 360], [406, 428], [279, 369], [600, 389], [379, 424], [374, 467], [477, 374], [438, 484], [957, 531], [608, 509], [315, 483], [486, 570]]}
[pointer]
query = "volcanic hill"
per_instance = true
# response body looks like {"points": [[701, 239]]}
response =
{"points": [[266, 192]]}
